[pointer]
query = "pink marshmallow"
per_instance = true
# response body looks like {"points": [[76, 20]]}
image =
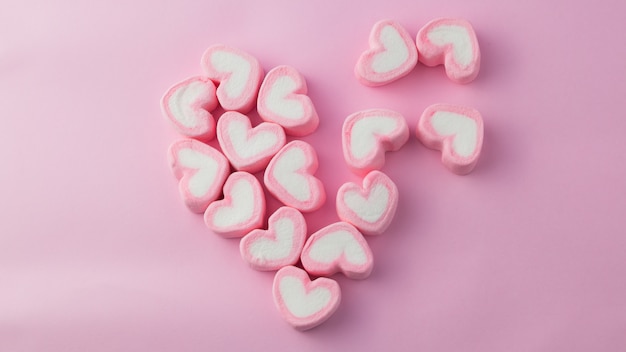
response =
{"points": [[201, 170], [367, 134], [370, 208], [392, 55], [283, 100], [238, 74], [455, 130], [242, 209], [278, 246], [338, 247], [453, 43], [248, 149], [188, 105], [303, 303], [289, 177]]}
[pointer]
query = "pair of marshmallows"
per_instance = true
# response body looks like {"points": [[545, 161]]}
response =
{"points": [[393, 53]]}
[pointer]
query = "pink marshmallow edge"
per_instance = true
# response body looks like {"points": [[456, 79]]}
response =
{"points": [[433, 140], [259, 160], [363, 69], [255, 220], [311, 321], [433, 55], [317, 195], [184, 174], [340, 264], [202, 107], [245, 101], [371, 180], [390, 142], [298, 127], [298, 237]]}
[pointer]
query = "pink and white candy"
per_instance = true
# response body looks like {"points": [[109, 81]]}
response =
{"points": [[238, 74], [201, 170], [283, 100], [370, 208], [453, 43], [247, 148], [392, 55], [455, 130]]}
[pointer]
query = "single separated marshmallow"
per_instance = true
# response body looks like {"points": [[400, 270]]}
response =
{"points": [[455, 130], [338, 247], [238, 74], [278, 246], [304, 303], [188, 105], [289, 177], [367, 134], [201, 170], [392, 55], [370, 208], [283, 100], [242, 209], [248, 149], [453, 43]]}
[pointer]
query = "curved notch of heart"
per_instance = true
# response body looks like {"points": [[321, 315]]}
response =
{"points": [[368, 134], [242, 209], [188, 105], [455, 130], [338, 247], [392, 55], [238, 75], [278, 246], [283, 100], [453, 43], [370, 208], [201, 171], [304, 303], [247, 148]]}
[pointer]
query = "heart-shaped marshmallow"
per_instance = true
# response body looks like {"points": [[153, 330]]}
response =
{"points": [[371, 208], [188, 106], [304, 303], [248, 149], [455, 130], [338, 247], [278, 246], [289, 177], [242, 209], [392, 55], [201, 170], [283, 100], [367, 134], [238, 73], [453, 43]]}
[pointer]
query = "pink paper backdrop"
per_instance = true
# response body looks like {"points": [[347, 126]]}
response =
{"points": [[527, 253]]}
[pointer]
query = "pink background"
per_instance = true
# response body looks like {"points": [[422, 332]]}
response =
{"points": [[527, 253]]}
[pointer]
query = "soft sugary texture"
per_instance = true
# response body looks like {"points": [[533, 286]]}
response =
{"points": [[303, 303], [289, 177], [201, 170], [392, 55], [242, 209], [188, 105], [455, 130], [238, 75], [453, 43], [368, 134], [370, 208], [278, 246], [338, 247], [248, 149], [283, 99]]}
